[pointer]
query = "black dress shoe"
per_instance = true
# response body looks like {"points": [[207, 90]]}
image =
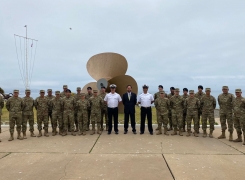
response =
{"points": [[125, 132], [109, 133], [141, 133], [135, 132], [151, 133], [116, 132]]}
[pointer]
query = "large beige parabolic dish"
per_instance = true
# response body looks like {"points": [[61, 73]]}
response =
{"points": [[110, 67]]}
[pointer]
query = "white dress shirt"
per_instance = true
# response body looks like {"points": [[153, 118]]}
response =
{"points": [[145, 99], [112, 99]]}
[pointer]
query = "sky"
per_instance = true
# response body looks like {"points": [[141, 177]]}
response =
{"points": [[169, 42]]}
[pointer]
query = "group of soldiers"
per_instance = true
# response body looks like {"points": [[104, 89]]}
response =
{"points": [[181, 110], [174, 112]]}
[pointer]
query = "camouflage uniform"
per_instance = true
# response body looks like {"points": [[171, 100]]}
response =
{"points": [[157, 95], [28, 114], [184, 112], [56, 104], [69, 105], [208, 105], [87, 96], [15, 106], [239, 117], [63, 94], [104, 112], [82, 115], [42, 105], [1, 107], [162, 106], [192, 105], [96, 104], [177, 107], [77, 98], [199, 97], [50, 110], [170, 113]]}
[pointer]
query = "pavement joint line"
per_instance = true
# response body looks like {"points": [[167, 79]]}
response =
{"points": [[5, 155], [95, 143], [168, 167], [232, 147]]}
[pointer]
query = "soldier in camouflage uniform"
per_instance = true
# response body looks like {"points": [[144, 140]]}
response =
{"points": [[199, 96], [192, 104], [82, 106], [28, 114], [15, 106], [63, 94], [225, 102], [177, 107], [50, 97], [208, 105], [104, 110], [69, 105], [56, 104], [88, 96], [77, 97], [162, 106], [169, 112], [184, 96], [1, 107], [239, 115], [96, 103], [41, 104]]}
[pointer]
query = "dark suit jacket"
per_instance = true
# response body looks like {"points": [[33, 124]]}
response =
{"points": [[129, 105]]}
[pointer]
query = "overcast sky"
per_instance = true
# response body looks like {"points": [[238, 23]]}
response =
{"points": [[173, 43]]}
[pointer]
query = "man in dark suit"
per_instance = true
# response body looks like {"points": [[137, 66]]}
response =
{"points": [[129, 100]]}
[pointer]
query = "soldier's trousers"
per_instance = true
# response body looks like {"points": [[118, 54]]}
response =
{"points": [[42, 119], [25, 119], [239, 123], [189, 118], [184, 120], [226, 116], [57, 121], [82, 121], [68, 118], [89, 114], [170, 118], [50, 117], [162, 120], [96, 117], [208, 117], [104, 114], [177, 119], [15, 119]]}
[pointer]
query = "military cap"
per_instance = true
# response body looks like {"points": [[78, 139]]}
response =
{"points": [[78, 88], [42, 91], [68, 90], [160, 86], [57, 92], [102, 87], [185, 89], [191, 92], [207, 89], [162, 92], [172, 88], [82, 94], [28, 90], [16, 91], [176, 89], [49, 90], [145, 86], [225, 87], [113, 86], [89, 88], [95, 91], [65, 86], [238, 90], [200, 87]]}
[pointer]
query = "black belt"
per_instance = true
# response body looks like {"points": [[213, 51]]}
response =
{"points": [[146, 107], [112, 108]]}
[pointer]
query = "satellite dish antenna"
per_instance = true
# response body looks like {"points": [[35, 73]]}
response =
{"points": [[102, 82]]}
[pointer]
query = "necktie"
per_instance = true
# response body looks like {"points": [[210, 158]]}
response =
{"points": [[128, 96]]}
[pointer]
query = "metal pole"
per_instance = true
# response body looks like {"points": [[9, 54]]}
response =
{"points": [[27, 83]]}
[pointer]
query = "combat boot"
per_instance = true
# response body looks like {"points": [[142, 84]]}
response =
{"points": [[170, 128], [93, 129], [19, 136], [231, 136], [40, 134], [80, 133], [222, 136], [195, 134], [174, 132], [98, 128], [84, 133], [46, 133], [159, 130], [64, 133], [211, 134], [32, 134], [60, 131], [166, 131], [73, 133], [11, 137], [239, 138], [53, 133], [24, 135], [180, 132], [204, 133], [188, 133]]}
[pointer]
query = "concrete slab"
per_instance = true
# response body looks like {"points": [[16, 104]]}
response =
{"points": [[61, 144], [185, 167], [3, 155], [149, 144], [83, 166]]}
